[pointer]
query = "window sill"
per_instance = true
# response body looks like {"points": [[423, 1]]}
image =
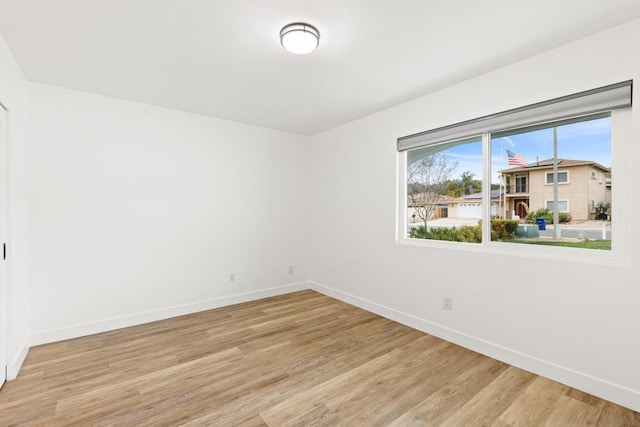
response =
{"points": [[613, 258]]}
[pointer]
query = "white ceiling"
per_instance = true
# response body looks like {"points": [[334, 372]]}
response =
{"points": [[223, 58]]}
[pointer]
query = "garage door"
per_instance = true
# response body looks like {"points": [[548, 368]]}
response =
{"points": [[470, 210]]}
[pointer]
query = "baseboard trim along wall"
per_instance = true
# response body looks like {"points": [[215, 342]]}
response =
{"points": [[615, 393], [13, 367], [75, 331]]}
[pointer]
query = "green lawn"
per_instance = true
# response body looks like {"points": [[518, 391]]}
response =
{"points": [[585, 244]]}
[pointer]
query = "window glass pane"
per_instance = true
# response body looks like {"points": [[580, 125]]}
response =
{"points": [[562, 177], [444, 191], [563, 205], [522, 165]]}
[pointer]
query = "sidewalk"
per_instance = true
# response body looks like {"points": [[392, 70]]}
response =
{"points": [[587, 225]]}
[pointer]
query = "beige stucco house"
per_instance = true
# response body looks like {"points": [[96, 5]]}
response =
{"points": [[583, 186]]}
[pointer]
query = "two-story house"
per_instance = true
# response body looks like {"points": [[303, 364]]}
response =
{"points": [[583, 187]]}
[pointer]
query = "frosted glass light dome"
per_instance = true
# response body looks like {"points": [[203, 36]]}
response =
{"points": [[299, 38]]}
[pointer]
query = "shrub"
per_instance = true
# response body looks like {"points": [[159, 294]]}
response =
{"points": [[548, 215], [442, 233], [470, 234], [501, 229], [462, 234], [540, 213], [564, 217], [419, 232]]}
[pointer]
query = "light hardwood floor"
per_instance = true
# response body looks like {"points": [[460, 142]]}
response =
{"points": [[301, 359]]}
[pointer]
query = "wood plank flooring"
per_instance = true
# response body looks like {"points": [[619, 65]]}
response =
{"points": [[301, 359]]}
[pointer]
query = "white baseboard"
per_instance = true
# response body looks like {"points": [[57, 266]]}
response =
{"points": [[90, 328], [14, 365], [604, 389]]}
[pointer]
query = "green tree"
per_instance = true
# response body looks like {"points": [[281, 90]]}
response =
{"points": [[469, 184]]}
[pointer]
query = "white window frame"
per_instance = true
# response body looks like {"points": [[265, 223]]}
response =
{"points": [[621, 134], [546, 178]]}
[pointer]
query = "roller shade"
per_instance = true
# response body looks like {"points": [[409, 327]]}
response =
{"points": [[598, 100], [428, 150]]}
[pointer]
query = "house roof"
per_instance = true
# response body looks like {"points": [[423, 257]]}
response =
{"points": [[478, 196], [564, 163], [437, 198]]}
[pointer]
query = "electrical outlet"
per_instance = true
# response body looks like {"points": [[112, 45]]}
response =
{"points": [[232, 277], [447, 303], [290, 270]]}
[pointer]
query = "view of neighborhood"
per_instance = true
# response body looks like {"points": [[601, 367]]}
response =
{"points": [[541, 177]]}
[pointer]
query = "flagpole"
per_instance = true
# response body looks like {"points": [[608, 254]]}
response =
{"points": [[556, 226], [503, 196]]}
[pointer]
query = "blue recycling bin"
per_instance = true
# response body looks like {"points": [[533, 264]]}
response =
{"points": [[542, 223]]}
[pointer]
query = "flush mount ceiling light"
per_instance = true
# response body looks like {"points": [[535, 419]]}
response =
{"points": [[299, 38]]}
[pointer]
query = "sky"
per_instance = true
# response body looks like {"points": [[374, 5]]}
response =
{"points": [[590, 140]]}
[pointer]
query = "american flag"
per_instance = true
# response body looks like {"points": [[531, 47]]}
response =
{"points": [[516, 159]]}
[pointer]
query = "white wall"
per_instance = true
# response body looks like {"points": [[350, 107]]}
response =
{"points": [[574, 322], [14, 96], [139, 212]]}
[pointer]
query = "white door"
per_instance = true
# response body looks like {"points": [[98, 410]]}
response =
{"points": [[3, 222]]}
